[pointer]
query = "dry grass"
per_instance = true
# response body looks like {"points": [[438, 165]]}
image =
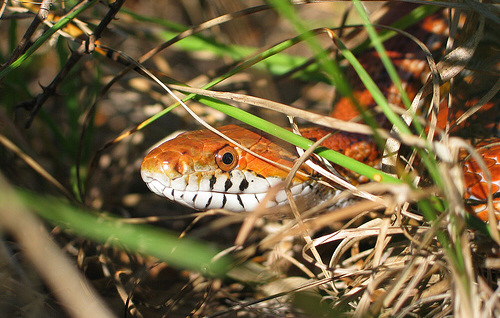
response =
{"points": [[408, 250]]}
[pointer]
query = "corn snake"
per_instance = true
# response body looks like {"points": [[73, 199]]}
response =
{"points": [[203, 171]]}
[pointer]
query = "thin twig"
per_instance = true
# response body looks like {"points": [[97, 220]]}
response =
{"points": [[42, 14], [36, 104]]}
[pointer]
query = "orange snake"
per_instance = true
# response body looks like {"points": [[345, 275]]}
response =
{"points": [[202, 170]]}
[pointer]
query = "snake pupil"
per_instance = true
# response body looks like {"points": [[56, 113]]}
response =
{"points": [[227, 158]]}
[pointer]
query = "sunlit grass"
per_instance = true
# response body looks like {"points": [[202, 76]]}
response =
{"points": [[400, 246]]}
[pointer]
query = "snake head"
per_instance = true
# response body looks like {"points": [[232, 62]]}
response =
{"points": [[204, 171]]}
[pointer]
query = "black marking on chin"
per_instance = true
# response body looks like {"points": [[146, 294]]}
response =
{"points": [[224, 201], [243, 185], [256, 198], [240, 201], [228, 185], [194, 198], [213, 179], [208, 202]]}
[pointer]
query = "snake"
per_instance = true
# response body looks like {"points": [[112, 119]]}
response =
{"points": [[203, 171]]}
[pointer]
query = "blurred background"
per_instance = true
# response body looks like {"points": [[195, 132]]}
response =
{"points": [[75, 123]]}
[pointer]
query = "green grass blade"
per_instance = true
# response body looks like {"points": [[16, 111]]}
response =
{"points": [[46, 36], [327, 65], [183, 253], [298, 141]]}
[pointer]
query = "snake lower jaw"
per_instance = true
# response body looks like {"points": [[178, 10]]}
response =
{"points": [[178, 190]]}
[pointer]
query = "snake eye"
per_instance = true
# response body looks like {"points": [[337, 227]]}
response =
{"points": [[226, 158]]}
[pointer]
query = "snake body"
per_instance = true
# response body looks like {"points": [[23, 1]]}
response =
{"points": [[476, 182], [203, 171]]}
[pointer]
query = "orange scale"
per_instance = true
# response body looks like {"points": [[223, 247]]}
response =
{"points": [[483, 215], [480, 207], [184, 164], [255, 164], [494, 152], [471, 178], [481, 210], [495, 172], [475, 167], [490, 162], [242, 163], [480, 190]]}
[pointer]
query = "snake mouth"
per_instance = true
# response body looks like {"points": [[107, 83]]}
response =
{"points": [[238, 195]]}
